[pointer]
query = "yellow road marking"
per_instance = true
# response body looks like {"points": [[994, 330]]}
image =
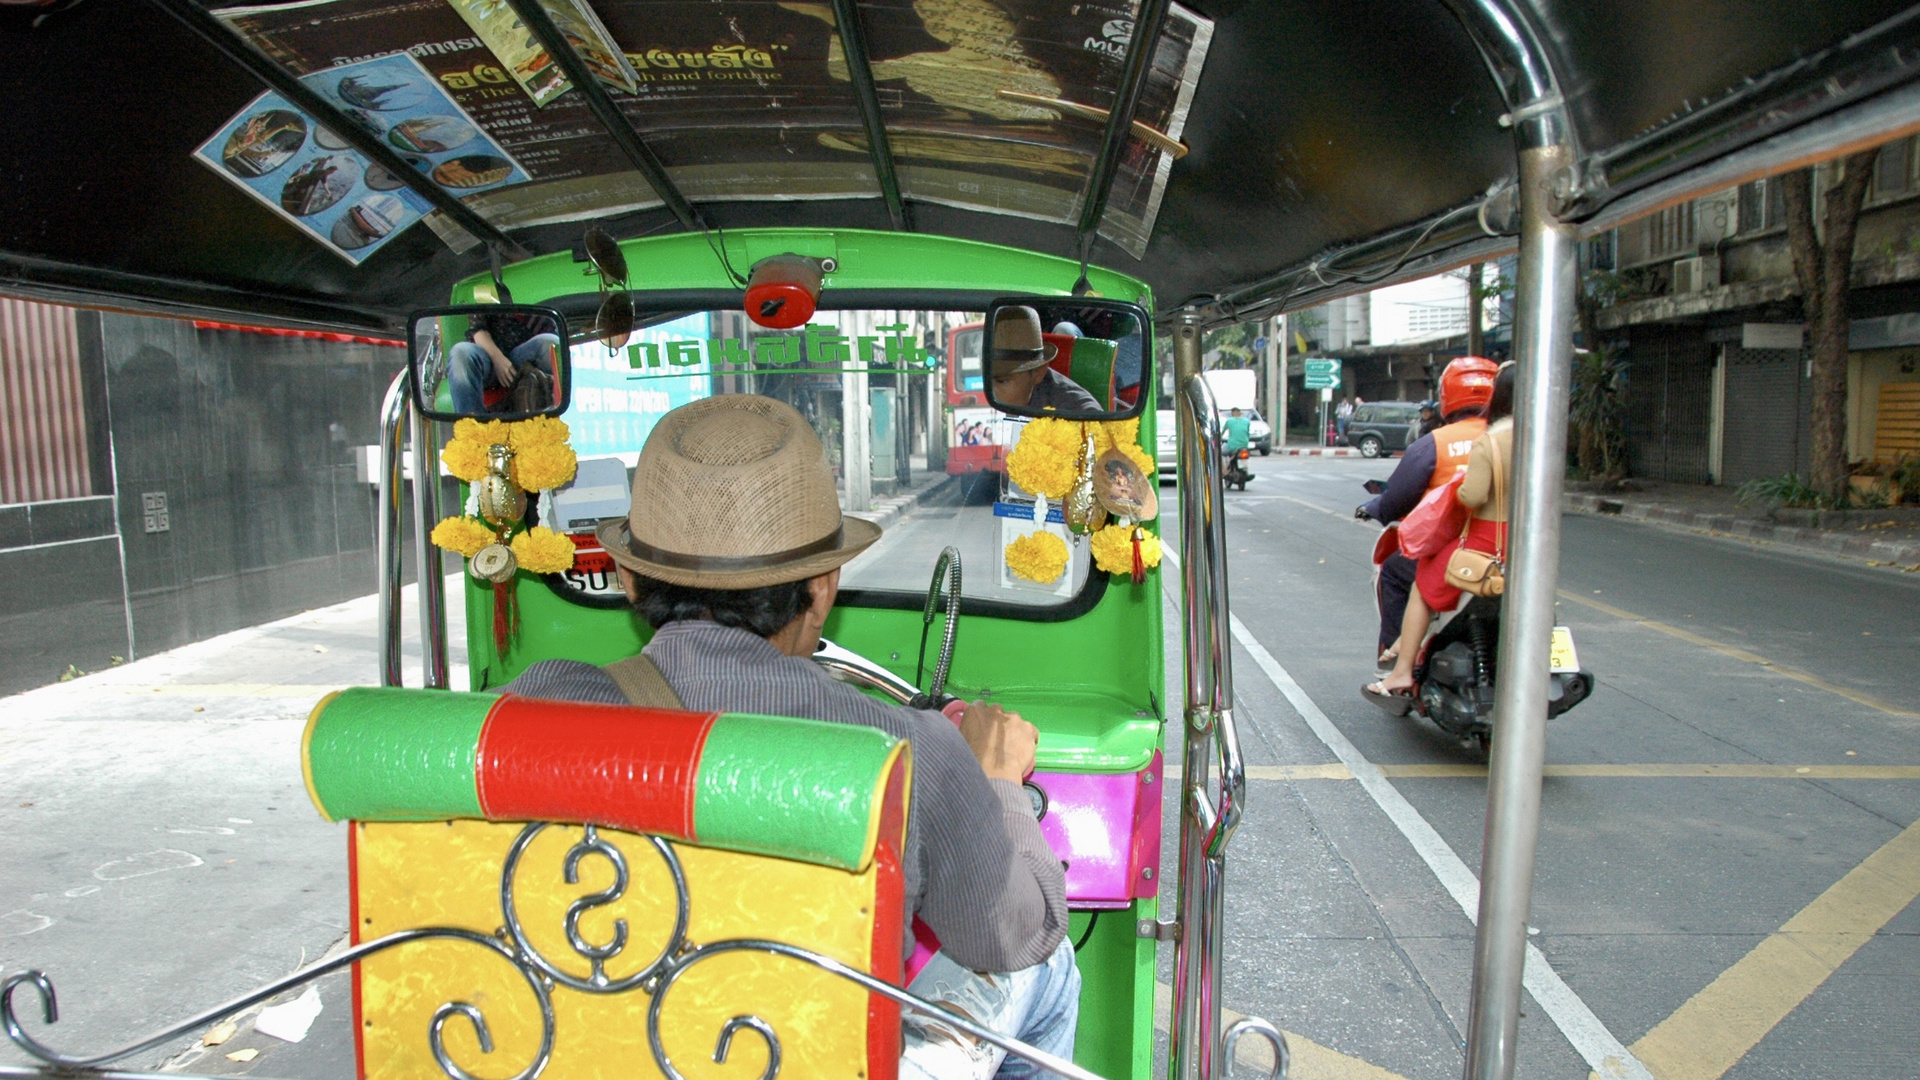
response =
{"points": [[1310, 1060], [1716, 1027], [1647, 770], [1740, 654]]}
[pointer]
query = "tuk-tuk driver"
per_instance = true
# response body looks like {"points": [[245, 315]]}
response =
{"points": [[732, 552], [1019, 356]]}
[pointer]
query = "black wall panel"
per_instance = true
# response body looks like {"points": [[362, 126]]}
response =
{"points": [[249, 437]]}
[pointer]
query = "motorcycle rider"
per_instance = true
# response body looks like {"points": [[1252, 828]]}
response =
{"points": [[1239, 433], [1430, 461]]}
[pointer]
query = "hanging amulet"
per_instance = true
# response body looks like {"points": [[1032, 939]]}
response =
{"points": [[501, 500], [494, 563], [1082, 505]]}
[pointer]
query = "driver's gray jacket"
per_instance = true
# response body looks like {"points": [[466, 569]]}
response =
{"points": [[977, 871]]}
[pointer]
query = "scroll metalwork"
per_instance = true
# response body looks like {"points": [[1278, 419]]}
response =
{"points": [[598, 982], [50, 1008]]}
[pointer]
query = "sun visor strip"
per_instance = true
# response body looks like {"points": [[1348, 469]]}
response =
{"points": [[604, 110], [853, 41]]}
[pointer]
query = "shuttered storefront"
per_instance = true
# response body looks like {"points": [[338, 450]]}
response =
{"points": [[1669, 403], [1766, 427], [43, 416], [1897, 428]]}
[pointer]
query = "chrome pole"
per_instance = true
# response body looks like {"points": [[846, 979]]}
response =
{"points": [[393, 411], [430, 588], [1543, 347]]}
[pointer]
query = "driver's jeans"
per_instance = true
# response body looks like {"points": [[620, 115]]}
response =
{"points": [[1039, 1006], [470, 369]]}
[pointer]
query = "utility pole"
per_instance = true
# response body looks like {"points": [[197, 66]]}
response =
{"points": [[1277, 378]]}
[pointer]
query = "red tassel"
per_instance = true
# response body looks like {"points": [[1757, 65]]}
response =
{"points": [[1139, 563], [506, 615]]}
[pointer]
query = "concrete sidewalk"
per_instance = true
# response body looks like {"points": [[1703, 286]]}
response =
{"points": [[160, 854], [1879, 537]]}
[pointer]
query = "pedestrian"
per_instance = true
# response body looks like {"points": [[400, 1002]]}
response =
{"points": [[1342, 414]]}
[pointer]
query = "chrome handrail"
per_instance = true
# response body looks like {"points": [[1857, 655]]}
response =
{"points": [[847, 666], [393, 411], [1211, 806]]}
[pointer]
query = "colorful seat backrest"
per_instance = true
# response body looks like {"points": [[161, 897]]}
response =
{"points": [[1088, 362], [616, 855]]}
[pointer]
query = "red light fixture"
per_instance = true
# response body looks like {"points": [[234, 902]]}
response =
{"points": [[782, 290]]}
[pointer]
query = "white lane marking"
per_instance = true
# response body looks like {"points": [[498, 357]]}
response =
{"points": [[1605, 1054]]}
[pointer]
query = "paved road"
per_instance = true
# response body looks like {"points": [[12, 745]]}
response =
{"points": [[1795, 674], [1694, 882]]}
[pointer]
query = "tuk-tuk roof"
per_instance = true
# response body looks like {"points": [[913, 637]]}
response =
{"points": [[1266, 135]]}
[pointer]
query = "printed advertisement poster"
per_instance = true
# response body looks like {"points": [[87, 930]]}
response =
{"points": [[612, 412], [312, 178], [991, 105], [528, 62]]}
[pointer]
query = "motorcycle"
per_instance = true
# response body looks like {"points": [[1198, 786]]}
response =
{"points": [[1237, 474], [1454, 674]]}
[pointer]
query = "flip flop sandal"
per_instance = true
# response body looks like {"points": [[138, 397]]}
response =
{"points": [[1394, 702]]}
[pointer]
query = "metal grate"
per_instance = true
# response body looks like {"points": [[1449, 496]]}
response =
{"points": [[43, 422]]}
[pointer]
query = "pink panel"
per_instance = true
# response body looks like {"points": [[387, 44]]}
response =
{"points": [[1106, 827]]}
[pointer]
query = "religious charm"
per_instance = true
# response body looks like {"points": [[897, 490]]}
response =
{"points": [[501, 500]]}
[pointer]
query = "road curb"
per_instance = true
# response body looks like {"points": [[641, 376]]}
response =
{"points": [[1316, 451], [1815, 541], [891, 509]]}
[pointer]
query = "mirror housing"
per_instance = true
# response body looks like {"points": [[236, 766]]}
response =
{"points": [[1052, 355], [457, 356]]}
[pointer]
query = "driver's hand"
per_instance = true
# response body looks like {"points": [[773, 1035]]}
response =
{"points": [[1002, 741]]}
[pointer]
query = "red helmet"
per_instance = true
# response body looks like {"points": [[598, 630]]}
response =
{"points": [[1467, 384]]}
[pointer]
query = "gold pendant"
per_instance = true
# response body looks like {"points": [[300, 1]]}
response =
{"points": [[1082, 505], [501, 500]]}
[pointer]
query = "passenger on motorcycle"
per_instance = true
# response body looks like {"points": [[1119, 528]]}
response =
{"points": [[1485, 532], [1466, 386]]}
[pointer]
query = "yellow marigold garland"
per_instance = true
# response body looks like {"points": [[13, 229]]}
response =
{"points": [[543, 466], [1045, 460], [542, 461], [1039, 556], [540, 550], [462, 534], [1113, 549]]}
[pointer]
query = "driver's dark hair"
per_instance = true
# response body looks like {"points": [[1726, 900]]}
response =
{"points": [[764, 611]]}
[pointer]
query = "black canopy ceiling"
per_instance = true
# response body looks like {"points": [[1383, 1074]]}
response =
{"points": [[1329, 143]]}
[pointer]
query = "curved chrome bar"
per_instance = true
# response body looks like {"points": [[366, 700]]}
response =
{"points": [[834, 967], [949, 561], [597, 982], [850, 667], [754, 1023], [50, 1009], [1253, 1025]]}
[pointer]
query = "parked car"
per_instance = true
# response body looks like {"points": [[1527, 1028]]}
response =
{"points": [[1383, 427], [1260, 434]]}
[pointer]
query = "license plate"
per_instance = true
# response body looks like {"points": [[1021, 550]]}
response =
{"points": [[1563, 660]]}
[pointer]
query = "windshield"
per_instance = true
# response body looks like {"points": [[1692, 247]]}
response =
{"points": [[905, 453]]}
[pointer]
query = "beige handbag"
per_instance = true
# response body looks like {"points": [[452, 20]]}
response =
{"points": [[1477, 572]]}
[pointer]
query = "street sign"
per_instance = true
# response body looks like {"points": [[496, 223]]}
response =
{"points": [[1260, 345], [1322, 373]]}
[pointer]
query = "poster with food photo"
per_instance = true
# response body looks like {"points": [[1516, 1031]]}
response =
{"points": [[311, 177]]}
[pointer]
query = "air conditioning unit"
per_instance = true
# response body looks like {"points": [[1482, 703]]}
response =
{"points": [[1698, 274]]}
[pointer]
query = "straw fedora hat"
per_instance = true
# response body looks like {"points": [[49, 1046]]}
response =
{"points": [[734, 492], [1017, 344]]}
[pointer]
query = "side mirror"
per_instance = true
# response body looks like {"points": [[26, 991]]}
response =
{"points": [[488, 361], [1078, 358]]}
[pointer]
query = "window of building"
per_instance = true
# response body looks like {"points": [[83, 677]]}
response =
{"points": [[1893, 169], [1670, 232], [1763, 205]]}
